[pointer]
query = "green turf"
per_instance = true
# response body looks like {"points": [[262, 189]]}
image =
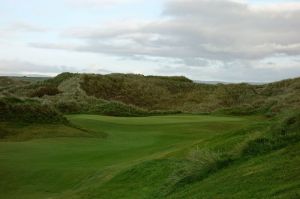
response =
{"points": [[137, 158]]}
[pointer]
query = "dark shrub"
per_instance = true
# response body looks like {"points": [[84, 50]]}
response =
{"points": [[45, 90]]}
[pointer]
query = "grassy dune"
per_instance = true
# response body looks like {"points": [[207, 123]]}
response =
{"points": [[143, 158]]}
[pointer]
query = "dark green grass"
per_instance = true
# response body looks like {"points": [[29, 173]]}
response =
{"points": [[274, 175], [139, 157]]}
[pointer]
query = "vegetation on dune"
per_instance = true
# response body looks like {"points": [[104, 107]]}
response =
{"points": [[154, 93], [45, 90], [85, 93], [28, 110], [56, 81], [7, 81]]}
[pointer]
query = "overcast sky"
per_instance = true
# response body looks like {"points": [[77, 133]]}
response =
{"points": [[217, 40]]}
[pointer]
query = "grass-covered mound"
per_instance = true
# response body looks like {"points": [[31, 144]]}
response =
{"points": [[178, 93], [28, 111], [25, 119], [148, 92]]}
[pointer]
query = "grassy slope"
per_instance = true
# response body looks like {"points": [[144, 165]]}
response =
{"points": [[85, 167], [274, 175]]}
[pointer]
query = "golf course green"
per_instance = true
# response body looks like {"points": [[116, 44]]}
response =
{"points": [[138, 157]]}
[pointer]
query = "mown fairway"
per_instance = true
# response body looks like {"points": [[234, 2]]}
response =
{"points": [[134, 158]]}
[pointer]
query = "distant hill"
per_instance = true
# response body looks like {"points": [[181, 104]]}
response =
{"points": [[71, 92], [222, 82]]}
